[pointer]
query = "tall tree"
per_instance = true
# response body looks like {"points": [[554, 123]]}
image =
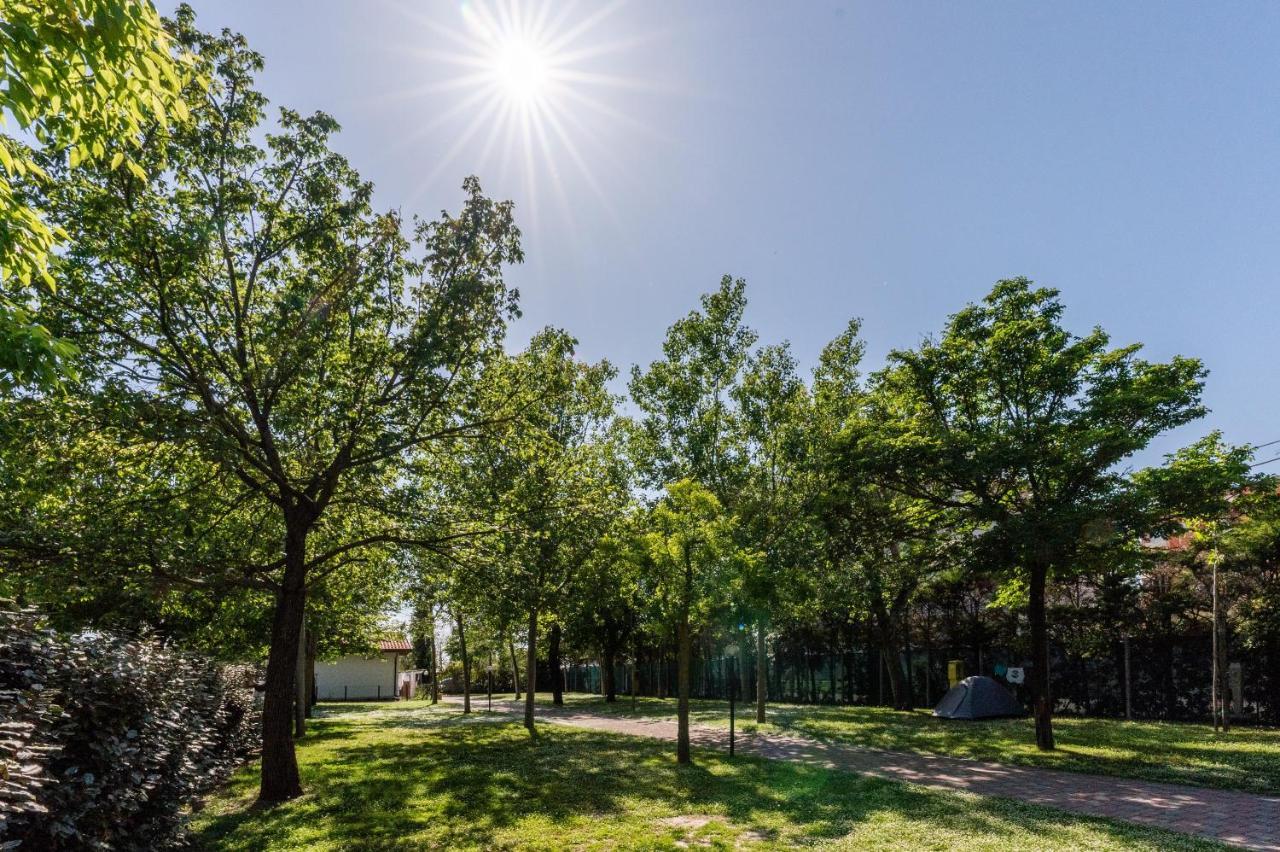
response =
{"points": [[601, 609], [254, 308], [694, 557], [1204, 493], [551, 481], [774, 425], [878, 547], [1021, 424]]}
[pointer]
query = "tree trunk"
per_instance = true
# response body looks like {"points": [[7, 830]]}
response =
{"points": [[435, 667], [300, 683], [1224, 688], [1043, 706], [531, 668], [553, 663], [683, 655], [893, 665], [887, 643], [608, 681], [906, 643], [466, 664], [762, 672], [280, 781], [515, 668]]}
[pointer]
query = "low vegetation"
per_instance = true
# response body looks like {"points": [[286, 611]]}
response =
{"points": [[412, 776], [106, 740]]}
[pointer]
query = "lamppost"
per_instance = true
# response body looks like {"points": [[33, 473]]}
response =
{"points": [[732, 652], [491, 668]]}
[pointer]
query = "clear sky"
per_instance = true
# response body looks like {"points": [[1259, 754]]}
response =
{"points": [[888, 160]]}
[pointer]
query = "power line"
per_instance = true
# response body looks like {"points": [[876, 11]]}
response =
{"points": [[1261, 463]]}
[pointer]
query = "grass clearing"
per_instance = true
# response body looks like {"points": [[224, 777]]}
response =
{"points": [[1245, 759], [409, 776]]}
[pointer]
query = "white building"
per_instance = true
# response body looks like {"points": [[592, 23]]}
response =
{"points": [[360, 678]]}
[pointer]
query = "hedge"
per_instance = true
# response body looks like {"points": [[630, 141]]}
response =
{"points": [[106, 741]]}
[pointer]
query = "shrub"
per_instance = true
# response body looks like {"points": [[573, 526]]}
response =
{"points": [[106, 741]]}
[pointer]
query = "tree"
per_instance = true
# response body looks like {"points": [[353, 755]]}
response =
{"points": [[688, 426], [1204, 492], [1253, 547], [89, 79], [881, 547], [602, 609], [775, 430], [555, 475], [878, 546], [690, 541], [1020, 424], [254, 309]]}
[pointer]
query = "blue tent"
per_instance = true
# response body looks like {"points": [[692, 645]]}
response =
{"points": [[977, 697]]}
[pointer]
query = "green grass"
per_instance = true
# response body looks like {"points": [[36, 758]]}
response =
{"points": [[1245, 759], [408, 776]]}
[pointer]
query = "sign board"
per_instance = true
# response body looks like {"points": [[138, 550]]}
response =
{"points": [[1015, 674]]}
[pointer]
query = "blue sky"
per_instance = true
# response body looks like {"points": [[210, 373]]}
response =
{"points": [[888, 161]]}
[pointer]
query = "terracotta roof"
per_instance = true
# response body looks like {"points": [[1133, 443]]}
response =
{"points": [[394, 645]]}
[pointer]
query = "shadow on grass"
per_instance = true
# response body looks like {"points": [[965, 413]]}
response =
{"points": [[1180, 753], [439, 780]]}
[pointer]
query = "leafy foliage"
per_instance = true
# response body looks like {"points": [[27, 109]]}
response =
{"points": [[93, 79]]}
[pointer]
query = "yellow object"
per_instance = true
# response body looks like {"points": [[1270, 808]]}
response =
{"points": [[955, 672]]}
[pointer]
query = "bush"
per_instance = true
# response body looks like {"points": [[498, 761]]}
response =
{"points": [[107, 741]]}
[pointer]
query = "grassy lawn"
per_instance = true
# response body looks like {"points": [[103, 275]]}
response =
{"points": [[1245, 759], [408, 776]]}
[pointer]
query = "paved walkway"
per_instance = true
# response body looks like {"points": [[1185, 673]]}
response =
{"points": [[1242, 819]]}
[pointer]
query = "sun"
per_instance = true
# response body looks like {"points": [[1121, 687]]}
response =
{"points": [[526, 90], [522, 70], [520, 61]]}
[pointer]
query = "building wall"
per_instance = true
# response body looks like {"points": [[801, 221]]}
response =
{"points": [[360, 676]]}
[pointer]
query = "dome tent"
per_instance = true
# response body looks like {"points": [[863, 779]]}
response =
{"points": [[977, 697]]}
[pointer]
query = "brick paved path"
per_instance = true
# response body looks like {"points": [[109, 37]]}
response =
{"points": [[1242, 819]]}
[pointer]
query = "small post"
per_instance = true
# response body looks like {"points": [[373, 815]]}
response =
{"points": [[491, 687], [732, 692], [732, 652]]}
